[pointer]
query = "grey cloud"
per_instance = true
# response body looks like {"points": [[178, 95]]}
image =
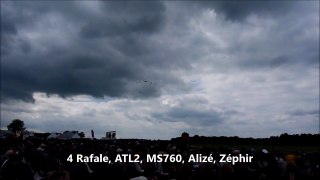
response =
{"points": [[259, 63], [9, 109], [192, 116], [301, 112]]}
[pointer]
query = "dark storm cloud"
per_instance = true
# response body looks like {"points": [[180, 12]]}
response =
{"points": [[239, 10], [78, 75], [105, 58], [8, 30], [138, 18]]}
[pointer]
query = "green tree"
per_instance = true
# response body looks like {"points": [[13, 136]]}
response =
{"points": [[16, 125]]}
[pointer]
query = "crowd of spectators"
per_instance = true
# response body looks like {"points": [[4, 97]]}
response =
{"points": [[36, 159]]}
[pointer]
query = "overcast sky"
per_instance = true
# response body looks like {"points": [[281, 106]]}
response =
{"points": [[155, 70]]}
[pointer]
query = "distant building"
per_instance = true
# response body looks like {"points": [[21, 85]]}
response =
{"points": [[111, 135], [53, 135], [69, 135], [92, 134]]}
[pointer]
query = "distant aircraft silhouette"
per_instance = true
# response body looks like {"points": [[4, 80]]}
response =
{"points": [[146, 82], [143, 85]]}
